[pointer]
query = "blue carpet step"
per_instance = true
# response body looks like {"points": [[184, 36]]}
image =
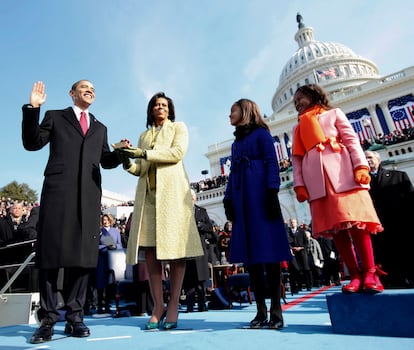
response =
{"points": [[390, 313]]}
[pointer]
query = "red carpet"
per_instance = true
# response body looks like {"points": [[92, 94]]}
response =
{"points": [[304, 298]]}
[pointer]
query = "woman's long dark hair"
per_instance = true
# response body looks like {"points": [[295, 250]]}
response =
{"points": [[151, 104]]}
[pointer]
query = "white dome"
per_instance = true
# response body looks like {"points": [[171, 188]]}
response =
{"points": [[331, 65], [311, 52]]}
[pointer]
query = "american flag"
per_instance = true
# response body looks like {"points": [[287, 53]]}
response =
{"points": [[402, 112], [288, 144], [225, 164], [278, 148], [331, 72], [361, 129], [357, 121]]}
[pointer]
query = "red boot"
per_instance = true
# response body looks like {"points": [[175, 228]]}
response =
{"points": [[362, 241], [346, 251], [355, 285], [372, 283]]}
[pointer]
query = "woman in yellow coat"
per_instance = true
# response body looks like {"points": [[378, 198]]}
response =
{"points": [[163, 224]]}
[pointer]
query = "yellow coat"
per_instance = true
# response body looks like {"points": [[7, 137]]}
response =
{"points": [[176, 231]]}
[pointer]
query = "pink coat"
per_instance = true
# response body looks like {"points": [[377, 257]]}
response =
{"points": [[338, 166]]}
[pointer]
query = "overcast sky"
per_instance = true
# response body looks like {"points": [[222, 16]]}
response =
{"points": [[203, 54]]}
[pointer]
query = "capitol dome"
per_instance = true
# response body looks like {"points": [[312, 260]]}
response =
{"points": [[331, 65]]}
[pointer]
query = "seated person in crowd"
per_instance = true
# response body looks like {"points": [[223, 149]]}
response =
{"points": [[16, 227], [225, 238]]}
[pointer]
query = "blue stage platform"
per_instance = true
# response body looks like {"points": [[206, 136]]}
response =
{"points": [[386, 314]]}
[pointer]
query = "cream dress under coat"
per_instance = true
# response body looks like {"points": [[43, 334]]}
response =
{"points": [[176, 231]]}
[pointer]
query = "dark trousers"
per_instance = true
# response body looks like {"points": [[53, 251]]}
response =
{"points": [[74, 289], [197, 291]]}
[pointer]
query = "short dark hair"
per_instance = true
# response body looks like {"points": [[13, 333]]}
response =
{"points": [[75, 85], [151, 104]]}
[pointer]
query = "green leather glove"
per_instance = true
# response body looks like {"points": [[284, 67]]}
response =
{"points": [[126, 162], [132, 152]]}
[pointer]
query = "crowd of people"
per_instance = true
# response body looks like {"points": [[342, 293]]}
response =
{"points": [[390, 139], [209, 183], [315, 262], [7, 203], [221, 180], [18, 229], [18, 221]]}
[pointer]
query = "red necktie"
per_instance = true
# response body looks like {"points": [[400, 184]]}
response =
{"points": [[83, 123]]}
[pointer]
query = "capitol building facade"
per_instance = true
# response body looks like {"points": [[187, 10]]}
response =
{"points": [[376, 106]]}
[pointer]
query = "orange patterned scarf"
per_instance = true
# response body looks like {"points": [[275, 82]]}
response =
{"points": [[308, 133]]}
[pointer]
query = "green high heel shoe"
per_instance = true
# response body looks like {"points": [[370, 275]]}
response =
{"points": [[152, 325], [169, 325], [155, 325]]}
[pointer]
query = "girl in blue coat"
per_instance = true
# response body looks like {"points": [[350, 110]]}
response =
{"points": [[259, 238]]}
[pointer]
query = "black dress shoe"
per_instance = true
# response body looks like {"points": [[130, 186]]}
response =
{"points": [[278, 325], [258, 322], [190, 308], [77, 329], [202, 308], [43, 333]]}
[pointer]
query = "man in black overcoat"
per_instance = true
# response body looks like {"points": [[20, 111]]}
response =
{"points": [[299, 265], [68, 228], [197, 271], [393, 196]]}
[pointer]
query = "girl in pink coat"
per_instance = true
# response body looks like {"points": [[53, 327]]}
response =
{"points": [[331, 172]]}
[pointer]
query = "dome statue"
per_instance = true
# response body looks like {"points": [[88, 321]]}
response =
{"points": [[299, 19]]}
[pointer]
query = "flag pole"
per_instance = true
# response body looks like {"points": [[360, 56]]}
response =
{"points": [[315, 76]]}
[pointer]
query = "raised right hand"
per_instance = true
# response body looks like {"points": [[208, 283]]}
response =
{"points": [[38, 96]]}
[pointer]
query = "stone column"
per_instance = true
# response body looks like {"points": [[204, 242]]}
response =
{"points": [[375, 120], [283, 145], [387, 115]]}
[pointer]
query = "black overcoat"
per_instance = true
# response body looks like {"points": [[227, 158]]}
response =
{"points": [[197, 268], [68, 229], [205, 229], [298, 239], [393, 196]]}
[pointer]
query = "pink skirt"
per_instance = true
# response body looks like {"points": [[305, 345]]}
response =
{"points": [[339, 211]]}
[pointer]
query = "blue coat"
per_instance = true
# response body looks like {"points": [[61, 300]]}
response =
{"points": [[254, 169], [114, 233], [102, 267]]}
